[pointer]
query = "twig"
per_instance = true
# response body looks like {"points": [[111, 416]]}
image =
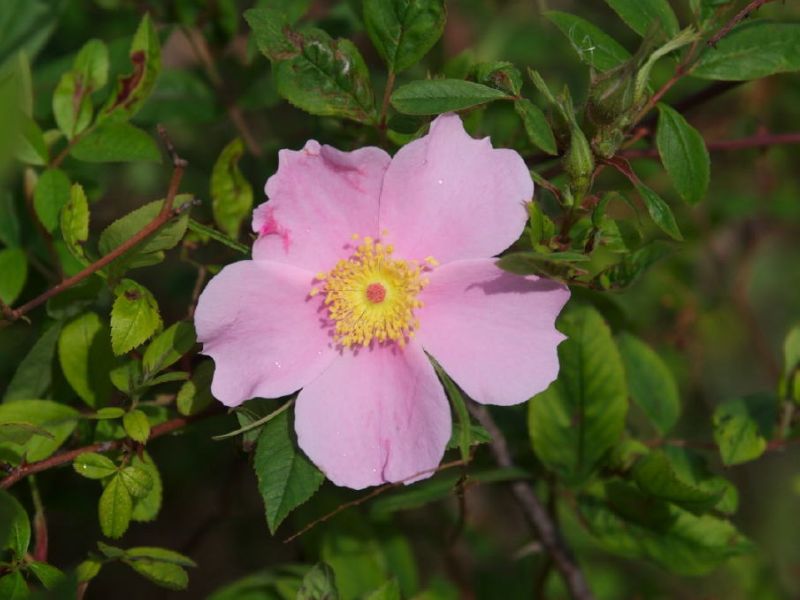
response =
{"points": [[39, 523], [761, 140], [387, 94], [737, 18], [68, 456], [167, 212], [536, 513], [376, 492]]}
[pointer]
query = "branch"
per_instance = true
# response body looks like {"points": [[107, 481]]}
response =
{"points": [[737, 18], [761, 140], [68, 456], [167, 212], [536, 513]]}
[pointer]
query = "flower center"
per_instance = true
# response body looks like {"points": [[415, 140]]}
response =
{"points": [[372, 296]]}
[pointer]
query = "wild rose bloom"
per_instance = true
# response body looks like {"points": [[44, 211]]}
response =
{"points": [[364, 263]]}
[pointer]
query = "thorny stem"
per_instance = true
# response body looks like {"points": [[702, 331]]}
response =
{"points": [[68, 456], [536, 514], [168, 211]]}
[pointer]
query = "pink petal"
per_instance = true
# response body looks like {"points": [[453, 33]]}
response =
{"points": [[450, 196], [374, 416], [318, 199], [493, 332], [266, 336]]}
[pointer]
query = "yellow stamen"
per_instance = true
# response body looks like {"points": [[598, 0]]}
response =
{"points": [[372, 296]]}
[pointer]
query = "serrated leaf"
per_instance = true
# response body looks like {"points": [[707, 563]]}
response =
{"points": [[642, 15], [742, 427], [286, 478], [49, 197], [114, 508], [752, 50], [20, 433], [57, 419], [88, 570], [436, 96], [659, 211], [168, 347], [593, 46], [74, 222], [536, 126], [15, 527], [72, 106], [150, 251], [460, 408], [633, 265], [318, 584], [85, 356], [161, 566], [655, 475], [48, 575], [136, 425], [91, 64], [134, 316], [127, 378], [650, 383], [684, 154], [403, 31], [137, 481], [93, 465], [195, 394], [35, 371], [14, 269], [116, 141], [582, 414], [133, 90], [147, 507], [231, 193]]}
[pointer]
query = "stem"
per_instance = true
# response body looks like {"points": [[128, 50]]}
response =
{"points": [[167, 212], [536, 514], [761, 140], [737, 18], [387, 94], [68, 456], [39, 523]]}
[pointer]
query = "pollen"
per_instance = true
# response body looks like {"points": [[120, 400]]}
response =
{"points": [[371, 297]]}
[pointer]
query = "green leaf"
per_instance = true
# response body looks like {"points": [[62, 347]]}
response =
{"points": [[116, 141], [72, 105], [752, 50], [88, 570], [594, 47], [679, 540], [231, 194], [743, 426], [168, 347], [91, 64], [692, 468], [9, 221], [501, 75], [161, 566], [94, 466], [195, 394], [35, 371], [20, 433], [14, 269], [642, 14], [633, 265], [13, 587], [582, 414], [48, 575], [114, 509], [659, 211], [536, 126], [684, 154], [460, 408], [57, 419], [15, 527], [435, 96], [75, 222], [127, 378], [314, 72], [110, 412], [286, 478], [791, 350], [86, 360], [388, 591], [146, 507], [318, 584], [137, 481], [134, 316], [133, 90], [136, 425], [31, 148], [650, 382], [51, 194], [477, 435], [151, 250], [529, 263], [403, 31], [655, 475]]}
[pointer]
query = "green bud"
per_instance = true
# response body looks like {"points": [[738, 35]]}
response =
{"points": [[612, 95], [501, 75], [579, 163]]}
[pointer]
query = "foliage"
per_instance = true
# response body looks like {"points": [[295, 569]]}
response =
{"points": [[677, 396]]}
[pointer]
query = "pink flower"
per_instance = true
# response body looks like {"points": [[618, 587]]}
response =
{"points": [[362, 265]]}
